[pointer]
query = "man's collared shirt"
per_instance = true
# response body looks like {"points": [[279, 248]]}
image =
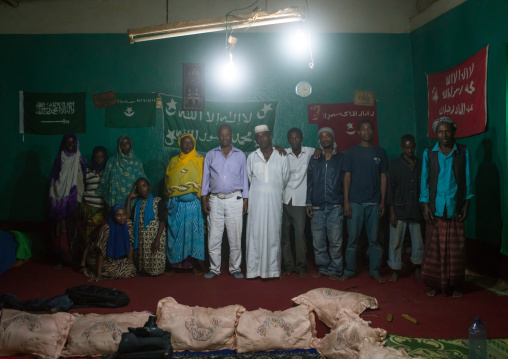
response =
{"points": [[296, 189], [225, 174], [446, 184]]}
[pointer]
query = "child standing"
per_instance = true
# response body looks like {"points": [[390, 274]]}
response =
{"points": [[403, 194]]}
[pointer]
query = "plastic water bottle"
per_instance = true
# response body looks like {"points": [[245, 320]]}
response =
{"points": [[477, 340]]}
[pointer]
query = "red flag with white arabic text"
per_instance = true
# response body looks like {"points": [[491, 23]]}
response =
{"points": [[343, 119], [461, 94]]}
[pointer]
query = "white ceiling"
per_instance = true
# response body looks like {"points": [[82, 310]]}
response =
{"points": [[116, 16]]}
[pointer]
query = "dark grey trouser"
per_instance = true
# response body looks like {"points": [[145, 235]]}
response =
{"points": [[294, 215]]}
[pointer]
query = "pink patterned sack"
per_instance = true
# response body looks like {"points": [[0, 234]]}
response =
{"points": [[43, 335], [328, 303], [98, 334], [198, 328], [262, 330], [346, 337]]}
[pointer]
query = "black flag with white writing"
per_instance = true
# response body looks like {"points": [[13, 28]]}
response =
{"points": [[52, 113]]}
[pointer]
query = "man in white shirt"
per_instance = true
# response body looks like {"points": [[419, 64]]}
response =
{"points": [[294, 205], [268, 173]]}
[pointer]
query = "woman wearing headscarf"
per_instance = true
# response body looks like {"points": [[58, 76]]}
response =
{"points": [[120, 173], [149, 227], [94, 207], [65, 195], [110, 254], [186, 243]]}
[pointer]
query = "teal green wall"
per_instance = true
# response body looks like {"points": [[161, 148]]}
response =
{"points": [[98, 63], [443, 43]]}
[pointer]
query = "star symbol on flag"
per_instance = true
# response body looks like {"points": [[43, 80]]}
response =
{"points": [[129, 112], [171, 104], [350, 130], [171, 137], [267, 108]]}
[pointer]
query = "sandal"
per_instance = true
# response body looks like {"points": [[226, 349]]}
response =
{"points": [[433, 292]]}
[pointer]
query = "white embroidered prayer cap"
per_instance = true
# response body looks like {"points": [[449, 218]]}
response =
{"points": [[443, 119], [261, 128]]}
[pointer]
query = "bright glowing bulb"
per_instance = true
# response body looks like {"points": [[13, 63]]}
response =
{"points": [[229, 72], [299, 42]]}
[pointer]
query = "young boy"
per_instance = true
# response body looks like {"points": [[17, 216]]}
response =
{"points": [[403, 194]]}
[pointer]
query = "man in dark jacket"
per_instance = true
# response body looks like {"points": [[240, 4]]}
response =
{"points": [[403, 194], [324, 206]]}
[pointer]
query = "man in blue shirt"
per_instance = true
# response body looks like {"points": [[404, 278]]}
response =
{"points": [[445, 192], [365, 167], [225, 181]]}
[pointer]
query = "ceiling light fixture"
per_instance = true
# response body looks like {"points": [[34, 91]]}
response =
{"points": [[260, 18]]}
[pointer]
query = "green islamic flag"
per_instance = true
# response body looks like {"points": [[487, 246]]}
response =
{"points": [[52, 113], [204, 125], [132, 110]]}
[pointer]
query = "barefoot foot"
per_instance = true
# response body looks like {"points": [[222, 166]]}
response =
{"points": [[346, 277], [394, 277], [196, 271], [457, 294]]}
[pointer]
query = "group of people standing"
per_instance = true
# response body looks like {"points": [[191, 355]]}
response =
{"points": [[90, 208], [329, 186], [277, 187], [359, 186]]}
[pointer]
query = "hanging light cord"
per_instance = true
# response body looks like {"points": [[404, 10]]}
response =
{"points": [[230, 27], [311, 63]]}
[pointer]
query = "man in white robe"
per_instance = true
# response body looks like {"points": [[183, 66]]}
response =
{"points": [[268, 173]]}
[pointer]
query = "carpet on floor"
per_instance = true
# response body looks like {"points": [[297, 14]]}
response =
{"points": [[439, 317], [414, 347], [445, 348], [229, 354], [494, 285], [220, 354]]}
